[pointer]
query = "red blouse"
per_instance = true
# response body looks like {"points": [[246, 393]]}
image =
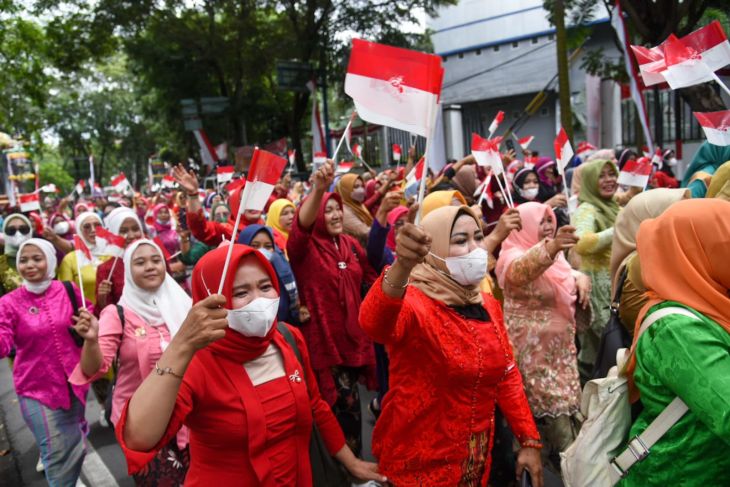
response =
{"points": [[102, 274], [209, 403], [446, 375]]}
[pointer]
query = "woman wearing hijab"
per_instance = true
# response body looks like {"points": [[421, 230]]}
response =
{"points": [[36, 320], [644, 206], [153, 306], [341, 352], [594, 220], [86, 225], [681, 355], [540, 294], [720, 184], [281, 217], [528, 187], [261, 238], [17, 229], [220, 212], [60, 232], [450, 359], [249, 425], [357, 218], [437, 199], [704, 165], [125, 223], [164, 228]]}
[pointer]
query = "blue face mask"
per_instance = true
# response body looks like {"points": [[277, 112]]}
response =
{"points": [[267, 253]]}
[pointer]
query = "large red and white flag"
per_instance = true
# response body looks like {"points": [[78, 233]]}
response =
{"points": [[319, 144], [395, 87], [114, 243], [716, 126], [525, 141], [685, 66], [80, 246], [636, 172], [416, 173], [263, 174], [224, 174], [29, 202], [207, 153], [495, 123], [563, 151], [344, 167], [486, 153], [396, 152], [120, 183]]}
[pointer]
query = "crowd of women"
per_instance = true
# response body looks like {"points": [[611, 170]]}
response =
{"points": [[476, 327]]}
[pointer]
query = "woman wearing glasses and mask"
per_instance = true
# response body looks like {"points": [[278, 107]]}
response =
{"points": [[16, 230]]}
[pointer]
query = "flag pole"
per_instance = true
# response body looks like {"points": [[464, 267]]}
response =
{"points": [[432, 112], [505, 193], [342, 139], [719, 82], [81, 282], [114, 264], [230, 248]]}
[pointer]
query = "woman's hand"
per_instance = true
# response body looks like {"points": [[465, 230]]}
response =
{"points": [[584, 285], [412, 244], [565, 239], [86, 325], [390, 202], [105, 288], [186, 179], [529, 458], [559, 200], [206, 322], [365, 471], [510, 220], [324, 176]]}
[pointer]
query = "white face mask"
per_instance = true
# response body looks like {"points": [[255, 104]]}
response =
{"points": [[61, 228], [267, 253], [256, 318], [469, 269], [529, 194], [358, 195], [672, 161], [17, 239]]}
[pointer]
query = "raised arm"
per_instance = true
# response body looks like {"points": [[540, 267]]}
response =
{"points": [[533, 263], [322, 180]]}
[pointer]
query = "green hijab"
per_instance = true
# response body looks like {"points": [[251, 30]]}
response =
{"points": [[215, 207], [589, 193], [708, 158]]}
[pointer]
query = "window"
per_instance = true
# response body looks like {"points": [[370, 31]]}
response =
{"points": [[446, 58], [479, 52], [544, 112], [515, 45], [534, 40], [461, 55], [495, 48]]}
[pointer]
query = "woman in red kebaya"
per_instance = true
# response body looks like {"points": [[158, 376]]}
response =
{"points": [[234, 381], [450, 359]]}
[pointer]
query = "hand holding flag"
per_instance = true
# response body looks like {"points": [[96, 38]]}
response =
{"points": [[563, 155], [486, 153]]}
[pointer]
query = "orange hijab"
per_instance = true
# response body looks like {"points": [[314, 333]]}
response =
{"points": [[344, 188], [684, 255]]}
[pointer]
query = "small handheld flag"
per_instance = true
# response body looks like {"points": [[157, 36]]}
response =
{"points": [[636, 172], [115, 243], [563, 155], [716, 126], [29, 202], [396, 152], [495, 123], [224, 174]]}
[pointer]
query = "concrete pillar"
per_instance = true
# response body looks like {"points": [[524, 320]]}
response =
{"points": [[454, 132]]}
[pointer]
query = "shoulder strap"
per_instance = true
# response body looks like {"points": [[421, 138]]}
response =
{"points": [[71, 296], [624, 272], [115, 364], [120, 313], [289, 337], [638, 447]]}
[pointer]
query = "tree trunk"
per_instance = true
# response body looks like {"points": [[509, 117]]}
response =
{"points": [[702, 98], [300, 102], [566, 114]]}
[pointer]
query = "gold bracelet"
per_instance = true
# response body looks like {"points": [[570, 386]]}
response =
{"points": [[165, 371], [391, 285]]}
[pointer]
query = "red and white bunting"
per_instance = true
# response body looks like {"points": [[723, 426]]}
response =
{"points": [[207, 153], [563, 151], [716, 126], [344, 167], [224, 174], [168, 182], [120, 183], [115, 243], [29, 202], [396, 152], [685, 66], [416, 173], [292, 156], [395, 87], [263, 174], [80, 246], [486, 152], [636, 172], [495, 123], [526, 141]]}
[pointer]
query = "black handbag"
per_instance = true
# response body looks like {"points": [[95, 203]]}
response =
{"points": [[326, 471], [615, 336]]}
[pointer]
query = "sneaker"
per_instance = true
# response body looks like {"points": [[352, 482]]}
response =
{"points": [[39, 466], [102, 418]]}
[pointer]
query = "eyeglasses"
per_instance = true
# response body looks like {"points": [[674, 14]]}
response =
{"points": [[87, 227], [23, 229]]}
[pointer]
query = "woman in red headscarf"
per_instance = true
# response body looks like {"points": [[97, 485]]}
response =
{"points": [[232, 378]]}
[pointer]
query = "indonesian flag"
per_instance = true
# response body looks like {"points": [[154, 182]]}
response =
{"points": [[168, 181], [221, 151], [292, 155], [49, 188], [416, 173], [79, 245], [395, 87], [495, 123], [486, 152], [319, 159], [115, 243], [120, 183], [484, 192], [80, 186], [636, 172], [396, 152], [263, 174], [716, 126], [563, 151], [651, 64], [526, 141], [29, 202], [530, 162], [223, 174], [357, 151], [207, 153], [318, 141], [237, 184], [344, 167], [584, 147], [685, 66]]}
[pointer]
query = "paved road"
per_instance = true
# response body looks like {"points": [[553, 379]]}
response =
{"points": [[104, 465]]}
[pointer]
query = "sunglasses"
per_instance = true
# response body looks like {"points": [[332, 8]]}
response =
{"points": [[24, 230], [87, 227]]}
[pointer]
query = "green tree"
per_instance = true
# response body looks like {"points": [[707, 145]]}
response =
{"points": [[53, 172]]}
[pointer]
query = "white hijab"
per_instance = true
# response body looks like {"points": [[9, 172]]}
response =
{"points": [[98, 249], [116, 217], [51, 264], [168, 305]]}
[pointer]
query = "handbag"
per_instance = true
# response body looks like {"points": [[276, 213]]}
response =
{"points": [[326, 471], [75, 305], [615, 336]]}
